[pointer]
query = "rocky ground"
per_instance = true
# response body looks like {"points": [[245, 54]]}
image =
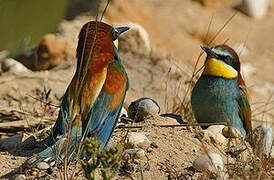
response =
{"points": [[159, 55]]}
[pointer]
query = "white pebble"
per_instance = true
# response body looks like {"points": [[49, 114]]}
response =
{"points": [[42, 165], [13, 66], [138, 140], [211, 163], [216, 128]]}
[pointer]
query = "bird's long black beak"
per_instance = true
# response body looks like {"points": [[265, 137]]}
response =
{"points": [[209, 52], [120, 30]]}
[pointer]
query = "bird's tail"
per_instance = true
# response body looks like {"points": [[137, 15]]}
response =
{"points": [[66, 148]]}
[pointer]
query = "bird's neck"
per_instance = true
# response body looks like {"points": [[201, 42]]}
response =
{"points": [[217, 68]]}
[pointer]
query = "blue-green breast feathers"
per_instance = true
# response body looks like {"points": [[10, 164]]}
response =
{"points": [[216, 99]]}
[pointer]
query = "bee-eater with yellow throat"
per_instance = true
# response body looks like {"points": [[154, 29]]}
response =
{"points": [[220, 94]]}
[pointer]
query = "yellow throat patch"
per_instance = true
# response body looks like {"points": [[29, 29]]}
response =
{"points": [[116, 43], [214, 67]]}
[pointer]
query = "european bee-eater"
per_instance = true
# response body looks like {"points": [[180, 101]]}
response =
{"points": [[94, 98], [220, 94]]}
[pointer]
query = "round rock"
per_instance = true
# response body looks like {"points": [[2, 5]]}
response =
{"points": [[42, 165], [211, 163], [143, 107], [138, 140]]}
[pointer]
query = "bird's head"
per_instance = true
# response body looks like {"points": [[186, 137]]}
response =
{"points": [[221, 61], [98, 37]]}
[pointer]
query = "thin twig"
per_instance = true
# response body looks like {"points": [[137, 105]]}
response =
{"points": [[172, 125]]}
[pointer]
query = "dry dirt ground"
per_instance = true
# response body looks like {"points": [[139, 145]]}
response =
{"points": [[176, 29]]}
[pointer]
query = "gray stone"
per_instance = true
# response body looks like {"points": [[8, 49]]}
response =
{"points": [[143, 107]]}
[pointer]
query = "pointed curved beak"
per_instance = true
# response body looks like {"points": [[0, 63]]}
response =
{"points": [[209, 52], [120, 30]]}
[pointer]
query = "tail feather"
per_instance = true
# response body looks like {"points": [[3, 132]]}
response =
{"points": [[62, 148]]}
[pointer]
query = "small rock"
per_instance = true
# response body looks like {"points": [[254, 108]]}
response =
{"points": [[143, 107], [135, 40], [216, 128], [19, 177], [135, 153], [215, 136], [12, 66], [138, 140], [11, 143], [231, 132], [261, 139], [42, 165], [256, 9], [211, 163]]}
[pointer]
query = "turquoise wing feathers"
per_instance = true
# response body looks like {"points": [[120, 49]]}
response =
{"points": [[244, 109]]}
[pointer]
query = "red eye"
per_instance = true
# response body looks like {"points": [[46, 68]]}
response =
{"points": [[228, 60]]}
